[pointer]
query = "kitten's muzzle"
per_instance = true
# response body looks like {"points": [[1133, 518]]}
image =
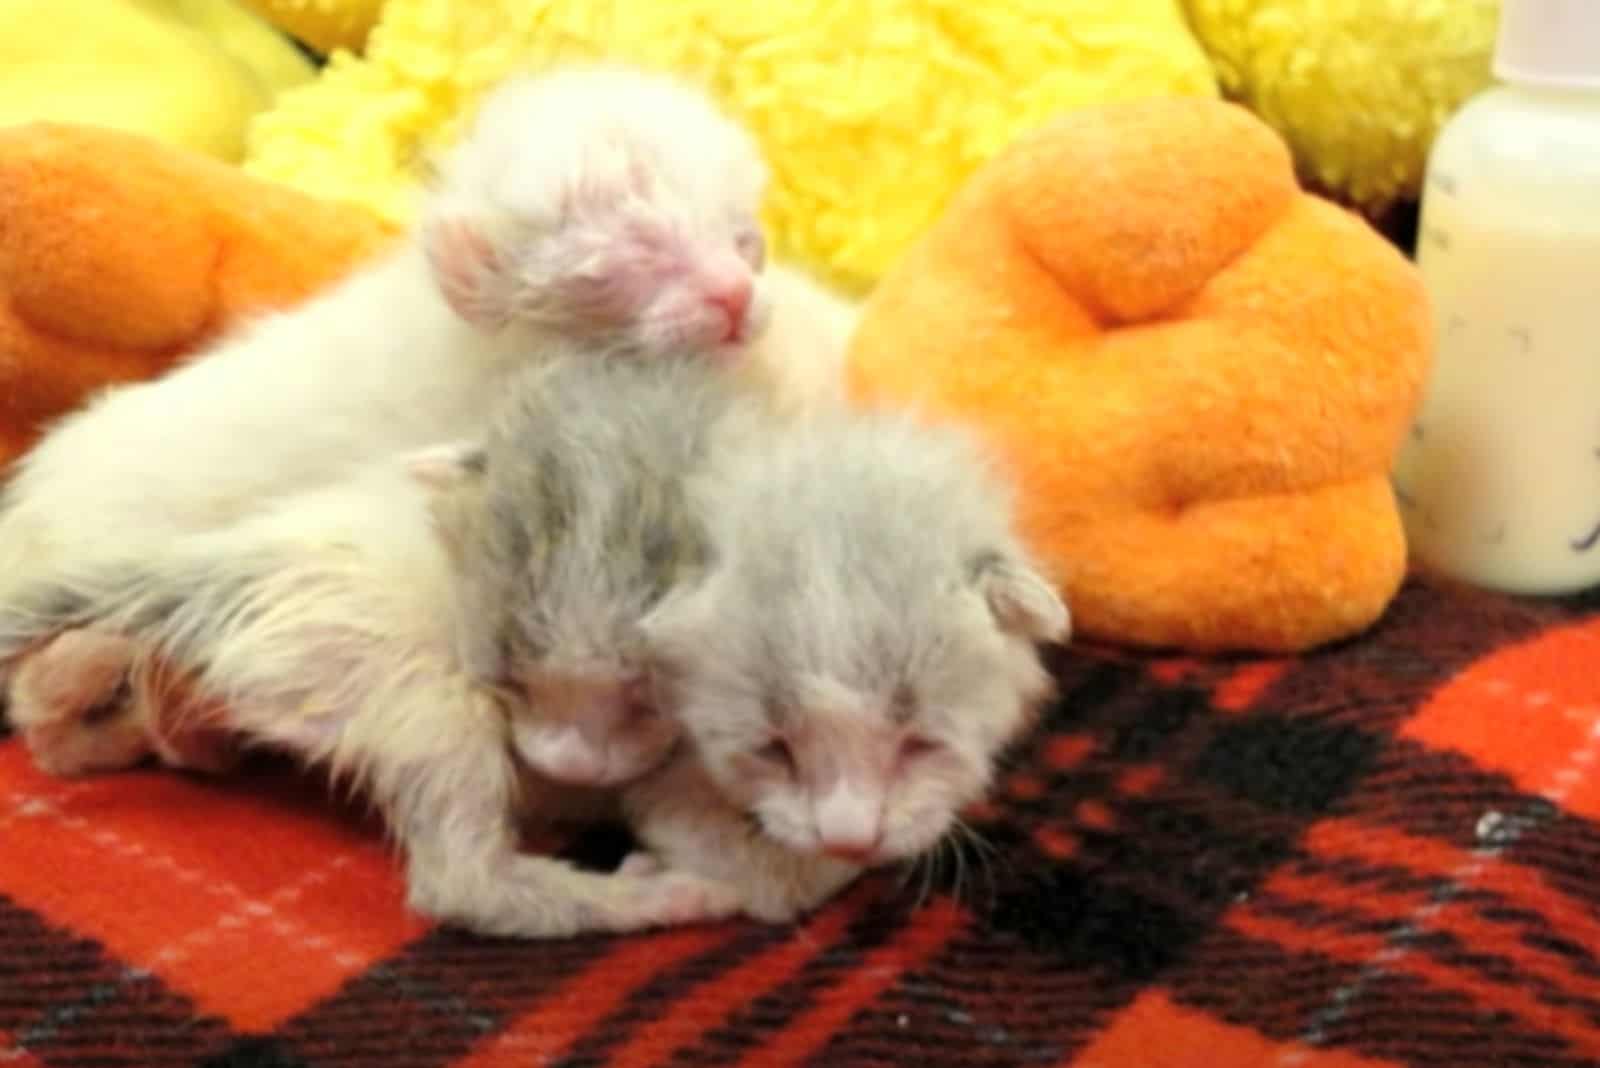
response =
{"points": [[849, 824], [731, 302]]}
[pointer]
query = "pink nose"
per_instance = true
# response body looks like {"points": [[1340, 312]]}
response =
{"points": [[734, 301]]}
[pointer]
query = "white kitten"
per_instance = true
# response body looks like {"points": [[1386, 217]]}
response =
{"points": [[601, 204], [323, 627]]}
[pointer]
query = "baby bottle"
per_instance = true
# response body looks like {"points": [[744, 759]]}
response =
{"points": [[1499, 480]]}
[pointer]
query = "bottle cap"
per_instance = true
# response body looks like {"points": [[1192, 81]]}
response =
{"points": [[1552, 43]]}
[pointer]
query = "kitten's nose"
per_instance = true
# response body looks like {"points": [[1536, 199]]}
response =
{"points": [[733, 299], [848, 823]]}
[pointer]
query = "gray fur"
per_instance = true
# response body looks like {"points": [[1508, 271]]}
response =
{"points": [[581, 522], [861, 646]]}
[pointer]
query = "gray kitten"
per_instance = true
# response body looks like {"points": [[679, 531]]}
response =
{"points": [[835, 609], [566, 528]]}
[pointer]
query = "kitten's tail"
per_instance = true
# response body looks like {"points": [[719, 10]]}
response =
{"points": [[151, 598], [43, 608]]}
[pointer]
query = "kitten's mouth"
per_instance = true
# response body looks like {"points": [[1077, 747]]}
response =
{"points": [[866, 856]]}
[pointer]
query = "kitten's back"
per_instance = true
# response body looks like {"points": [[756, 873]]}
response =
{"points": [[585, 518]]}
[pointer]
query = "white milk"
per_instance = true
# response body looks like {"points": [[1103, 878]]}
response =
{"points": [[1499, 482]]}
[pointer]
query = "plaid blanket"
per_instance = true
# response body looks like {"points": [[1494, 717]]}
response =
{"points": [[1386, 853]]}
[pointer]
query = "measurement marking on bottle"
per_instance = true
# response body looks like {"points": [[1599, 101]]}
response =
{"points": [[1588, 541]]}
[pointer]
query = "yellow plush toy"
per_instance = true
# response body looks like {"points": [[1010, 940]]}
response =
{"points": [[324, 25], [1198, 373], [871, 117], [187, 72], [1358, 87]]}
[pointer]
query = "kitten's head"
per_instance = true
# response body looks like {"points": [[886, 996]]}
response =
{"points": [[863, 643], [538, 623], [611, 205]]}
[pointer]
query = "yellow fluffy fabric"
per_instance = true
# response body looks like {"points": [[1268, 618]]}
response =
{"points": [[871, 114], [1357, 87], [323, 24], [187, 72]]}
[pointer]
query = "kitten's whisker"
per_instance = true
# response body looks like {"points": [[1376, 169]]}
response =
{"points": [[961, 866], [985, 852], [971, 835], [907, 870], [924, 862]]}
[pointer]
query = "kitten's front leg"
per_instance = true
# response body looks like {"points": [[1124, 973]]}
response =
{"points": [[454, 813], [689, 826]]}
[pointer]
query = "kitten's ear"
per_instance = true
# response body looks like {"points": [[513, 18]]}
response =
{"points": [[678, 624], [468, 269], [448, 465], [451, 475], [1023, 601]]}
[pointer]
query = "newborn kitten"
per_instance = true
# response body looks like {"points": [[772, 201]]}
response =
{"points": [[848, 636], [595, 204], [564, 530], [860, 648], [329, 626], [596, 199]]}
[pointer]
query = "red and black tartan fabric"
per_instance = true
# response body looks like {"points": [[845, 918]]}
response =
{"points": [[1386, 853]]}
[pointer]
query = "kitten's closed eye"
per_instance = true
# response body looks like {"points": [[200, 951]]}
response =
{"points": [[752, 246], [778, 754]]}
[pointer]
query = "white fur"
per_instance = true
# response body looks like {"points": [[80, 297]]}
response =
{"points": [[799, 357], [324, 624], [383, 361], [582, 182]]}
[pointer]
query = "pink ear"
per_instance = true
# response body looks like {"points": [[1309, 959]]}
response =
{"points": [[467, 270], [447, 465]]}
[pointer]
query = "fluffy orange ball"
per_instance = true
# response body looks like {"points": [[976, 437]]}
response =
{"points": [[1198, 374]]}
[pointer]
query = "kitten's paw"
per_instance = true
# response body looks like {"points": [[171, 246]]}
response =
{"points": [[640, 863], [72, 704], [681, 898], [773, 910]]}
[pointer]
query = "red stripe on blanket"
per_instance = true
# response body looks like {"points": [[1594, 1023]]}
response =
{"points": [[570, 1011], [1387, 955], [1370, 904], [1155, 1032], [212, 887], [13, 1056], [1172, 670], [1386, 846], [1530, 711], [1240, 690], [700, 1009], [924, 936]]}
